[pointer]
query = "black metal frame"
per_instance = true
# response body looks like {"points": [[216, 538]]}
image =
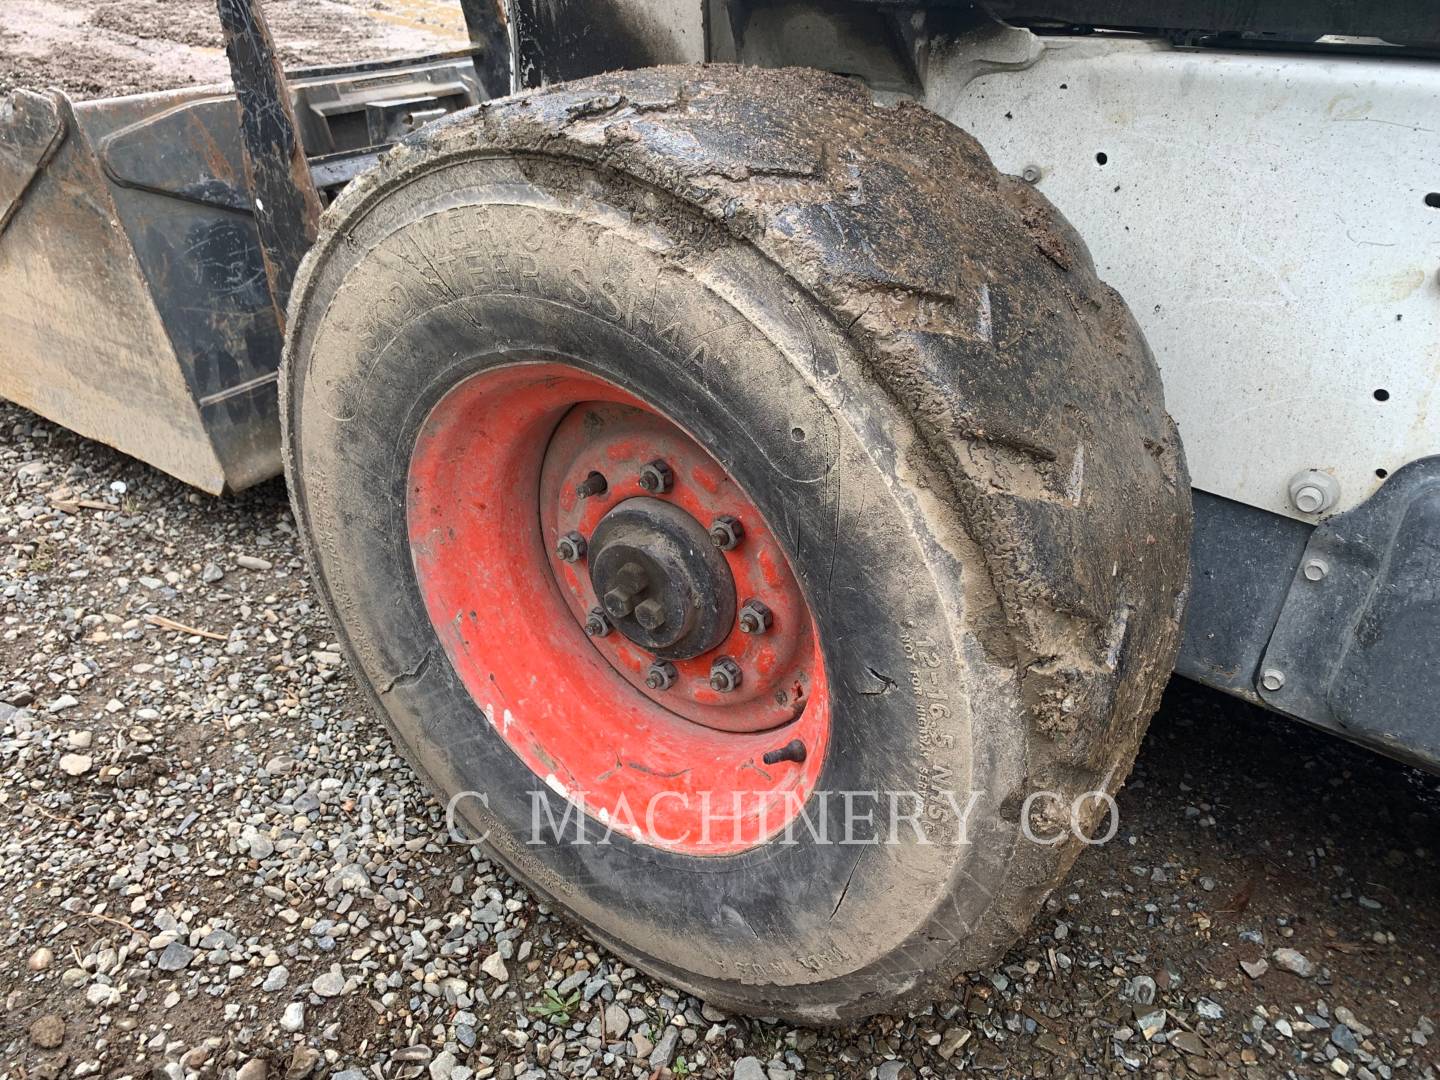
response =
{"points": [[286, 202], [287, 206]]}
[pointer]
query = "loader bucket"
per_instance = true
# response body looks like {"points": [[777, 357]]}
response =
{"points": [[134, 304]]}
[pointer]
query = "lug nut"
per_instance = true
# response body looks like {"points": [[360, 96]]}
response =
{"points": [[661, 675], [724, 675], [596, 624], [1272, 679], [755, 617], [650, 614], [571, 547], [726, 532], [594, 484], [794, 750], [657, 478]]}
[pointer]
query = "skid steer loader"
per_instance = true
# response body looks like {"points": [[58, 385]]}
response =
{"points": [[719, 438]]}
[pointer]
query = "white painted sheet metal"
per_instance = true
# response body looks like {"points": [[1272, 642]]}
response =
{"points": [[1265, 216]]}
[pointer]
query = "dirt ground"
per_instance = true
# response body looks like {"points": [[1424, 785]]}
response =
{"points": [[220, 808], [103, 48]]}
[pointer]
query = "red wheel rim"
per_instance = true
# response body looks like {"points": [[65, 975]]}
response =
{"points": [[493, 485]]}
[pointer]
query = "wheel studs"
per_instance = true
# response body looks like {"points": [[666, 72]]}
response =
{"points": [[594, 484], [619, 603], [661, 675], [596, 624], [724, 675], [570, 547], [794, 750], [657, 478], [630, 583], [650, 614], [755, 617], [726, 532]]}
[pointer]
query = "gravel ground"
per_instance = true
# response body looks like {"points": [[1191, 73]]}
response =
{"points": [[215, 864]]}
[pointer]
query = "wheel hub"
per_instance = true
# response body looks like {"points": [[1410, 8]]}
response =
{"points": [[653, 539], [660, 580]]}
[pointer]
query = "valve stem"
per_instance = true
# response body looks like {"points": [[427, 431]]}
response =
{"points": [[794, 750]]}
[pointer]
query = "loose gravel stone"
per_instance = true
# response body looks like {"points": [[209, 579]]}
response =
{"points": [[100, 995], [175, 957], [48, 1031], [276, 979], [293, 1018], [953, 1042], [664, 1051], [302, 1063], [617, 1023], [1142, 989], [1294, 962]]}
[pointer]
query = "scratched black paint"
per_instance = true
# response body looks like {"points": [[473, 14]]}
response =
{"points": [[287, 206], [490, 36]]}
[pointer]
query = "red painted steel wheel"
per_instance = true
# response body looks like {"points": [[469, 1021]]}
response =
{"points": [[537, 493]]}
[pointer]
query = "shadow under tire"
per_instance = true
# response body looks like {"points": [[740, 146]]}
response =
{"points": [[899, 362]]}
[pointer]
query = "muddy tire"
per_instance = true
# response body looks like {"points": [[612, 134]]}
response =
{"points": [[897, 361]]}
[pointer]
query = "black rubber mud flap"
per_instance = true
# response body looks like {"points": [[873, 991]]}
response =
{"points": [[988, 511]]}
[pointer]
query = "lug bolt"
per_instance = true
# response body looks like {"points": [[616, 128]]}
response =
{"points": [[596, 624], [724, 675], [661, 675], [755, 617], [1272, 679], [571, 547], [594, 484], [657, 478], [650, 614], [619, 603], [630, 583], [726, 532], [1316, 569], [794, 750]]}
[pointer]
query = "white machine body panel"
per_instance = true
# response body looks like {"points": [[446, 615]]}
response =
{"points": [[1265, 216]]}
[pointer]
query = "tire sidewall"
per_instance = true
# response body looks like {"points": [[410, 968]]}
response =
{"points": [[707, 331]]}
